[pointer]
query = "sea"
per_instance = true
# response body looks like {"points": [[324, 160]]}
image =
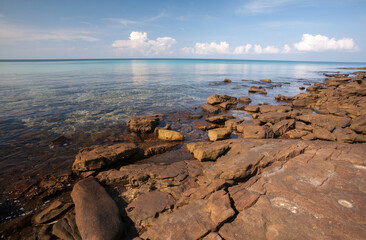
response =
{"points": [[88, 95]]}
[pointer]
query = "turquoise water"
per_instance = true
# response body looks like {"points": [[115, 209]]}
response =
{"points": [[69, 95]]}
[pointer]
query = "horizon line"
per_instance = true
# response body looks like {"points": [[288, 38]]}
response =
{"points": [[161, 58]]}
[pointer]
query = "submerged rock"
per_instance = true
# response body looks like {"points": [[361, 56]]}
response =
{"points": [[97, 157], [143, 124]]}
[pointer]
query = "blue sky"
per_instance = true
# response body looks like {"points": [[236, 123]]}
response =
{"points": [[315, 30]]}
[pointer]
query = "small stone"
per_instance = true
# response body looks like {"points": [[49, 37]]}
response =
{"points": [[226, 80], [245, 100]]}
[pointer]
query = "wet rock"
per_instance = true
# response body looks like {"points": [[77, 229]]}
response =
{"points": [[252, 108], [194, 220], [315, 87], [219, 119], [232, 123], [281, 97], [97, 215], [273, 117], [283, 126], [204, 151], [143, 124], [266, 80], [169, 135], [327, 121], [147, 206], [244, 100], [66, 228], [302, 88], [219, 134], [210, 109], [226, 80], [159, 149], [257, 89], [254, 131], [97, 157], [217, 99], [323, 134], [53, 211], [359, 124]]}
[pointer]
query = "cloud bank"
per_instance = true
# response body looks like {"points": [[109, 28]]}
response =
{"points": [[308, 43], [139, 43]]}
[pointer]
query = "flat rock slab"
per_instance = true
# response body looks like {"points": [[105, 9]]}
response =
{"points": [[97, 157], [97, 215], [204, 151], [143, 124], [169, 135], [194, 220], [146, 206], [219, 119], [327, 121], [311, 196], [219, 134], [54, 210]]}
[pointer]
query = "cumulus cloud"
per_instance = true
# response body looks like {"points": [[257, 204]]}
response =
{"points": [[286, 49], [320, 43], [208, 48], [243, 49], [139, 43]]}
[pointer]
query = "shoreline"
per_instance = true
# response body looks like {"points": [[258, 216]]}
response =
{"points": [[61, 186]]}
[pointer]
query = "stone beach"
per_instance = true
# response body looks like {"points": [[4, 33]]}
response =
{"points": [[296, 170]]}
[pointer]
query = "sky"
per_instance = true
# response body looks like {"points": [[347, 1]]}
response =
{"points": [[301, 30]]}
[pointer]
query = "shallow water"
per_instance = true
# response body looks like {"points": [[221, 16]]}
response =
{"points": [[65, 96]]}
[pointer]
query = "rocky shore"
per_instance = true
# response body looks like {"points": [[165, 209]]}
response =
{"points": [[296, 170]]}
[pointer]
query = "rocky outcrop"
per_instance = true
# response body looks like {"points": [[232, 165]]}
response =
{"points": [[97, 157], [254, 131], [97, 215], [217, 99], [257, 89], [219, 119], [143, 124], [327, 121]]}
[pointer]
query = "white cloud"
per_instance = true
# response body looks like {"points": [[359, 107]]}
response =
{"points": [[12, 32], [263, 6], [138, 42], [208, 48], [243, 49], [320, 43], [258, 49], [286, 49]]}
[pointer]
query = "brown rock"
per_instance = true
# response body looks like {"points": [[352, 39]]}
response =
{"points": [[283, 126], [232, 123], [97, 215], [295, 134], [302, 126], [257, 89], [212, 236], [275, 108], [66, 228], [169, 135], [347, 135], [245, 100], [97, 157], [323, 134], [359, 124], [55, 209], [143, 124], [210, 109], [327, 121], [219, 119], [194, 220], [208, 151], [252, 108], [303, 102], [266, 80], [219, 134], [254, 131], [217, 99], [242, 197], [273, 117], [281, 97], [159, 149], [147, 206], [227, 80]]}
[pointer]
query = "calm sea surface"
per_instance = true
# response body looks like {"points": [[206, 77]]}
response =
{"points": [[64, 96]]}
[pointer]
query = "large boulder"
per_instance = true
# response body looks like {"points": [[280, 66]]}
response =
{"points": [[97, 215], [97, 157], [219, 134], [143, 124]]}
